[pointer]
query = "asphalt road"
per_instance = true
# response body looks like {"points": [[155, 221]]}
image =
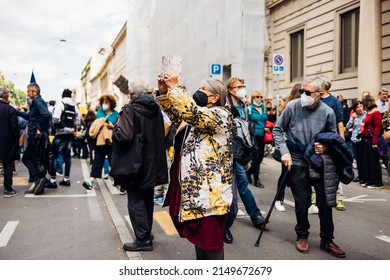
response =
{"points": [[71, 223]]}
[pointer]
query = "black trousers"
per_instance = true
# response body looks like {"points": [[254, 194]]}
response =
{"points": [[299, 182], [257, 159], [140, 205], [8, 169], [100, 154], [370, 170], [30, 157]]}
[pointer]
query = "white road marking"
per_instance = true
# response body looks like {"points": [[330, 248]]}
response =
{"points": [[84, 168], [94, 210], [360, 199], [7, 232], [289, 202], [90, 193], [383, 238]]}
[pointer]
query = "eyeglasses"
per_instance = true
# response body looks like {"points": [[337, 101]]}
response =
{"points": [[308, 92], [257, 96], [240, 87]]}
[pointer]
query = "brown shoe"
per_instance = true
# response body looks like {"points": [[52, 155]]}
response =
{"points": [[332, 249], [302, 245]]}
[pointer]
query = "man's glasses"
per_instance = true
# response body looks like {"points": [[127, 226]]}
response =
{"points": [[307, 92]]}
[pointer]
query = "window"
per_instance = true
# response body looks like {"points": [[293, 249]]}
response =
{"points": [[297, 47], [349, 41]]}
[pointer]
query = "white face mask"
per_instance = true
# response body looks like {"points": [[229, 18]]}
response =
{"points": [[241, 94], [306, 100], [105, 107]]}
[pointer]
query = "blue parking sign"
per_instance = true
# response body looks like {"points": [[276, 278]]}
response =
{"points": [[215, 69]]}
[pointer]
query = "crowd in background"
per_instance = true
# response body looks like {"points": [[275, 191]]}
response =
{"points": [[192, 133]]}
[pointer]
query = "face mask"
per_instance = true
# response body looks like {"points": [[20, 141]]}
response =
{"points": [[241, 94], [258, 104], [306, 100], [105, 107], [200, 98]]}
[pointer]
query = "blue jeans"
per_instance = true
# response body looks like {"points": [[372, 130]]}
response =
{"points": [[245, 193], [60, 163], [106, 166], [61, 144]]}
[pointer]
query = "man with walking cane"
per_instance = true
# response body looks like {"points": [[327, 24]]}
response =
{"points": [[301, 121]]}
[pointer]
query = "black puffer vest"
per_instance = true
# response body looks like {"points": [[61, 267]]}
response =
{"points": [[332, 167]]}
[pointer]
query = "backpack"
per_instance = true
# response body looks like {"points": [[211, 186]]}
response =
{"points": [[68, 116], [242, 140]]}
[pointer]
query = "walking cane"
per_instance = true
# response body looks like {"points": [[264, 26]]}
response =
{"points": [[280, 188]]}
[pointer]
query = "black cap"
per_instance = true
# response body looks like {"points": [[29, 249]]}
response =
{"points": [[67, 93]]}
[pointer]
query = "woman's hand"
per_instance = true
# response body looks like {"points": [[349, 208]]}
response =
{"points": [[162, 86], [171, 80]]}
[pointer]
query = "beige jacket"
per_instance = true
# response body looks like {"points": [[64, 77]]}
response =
{"points": [[101, 132]]}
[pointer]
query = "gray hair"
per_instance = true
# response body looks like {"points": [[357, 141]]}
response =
{"points": [[327, 82], [3, 92], [315, 81], [215, 86], [383, 89], [138, 86]]}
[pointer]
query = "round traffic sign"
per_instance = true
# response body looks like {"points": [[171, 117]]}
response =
{"points": [[278, 59]]}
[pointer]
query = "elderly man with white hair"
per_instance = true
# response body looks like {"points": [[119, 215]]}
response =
{"points": [[141, 116], [9, 135]]}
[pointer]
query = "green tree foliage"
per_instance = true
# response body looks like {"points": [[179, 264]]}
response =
{"points": [[17, 96]]}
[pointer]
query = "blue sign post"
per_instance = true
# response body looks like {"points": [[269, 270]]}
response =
{"points": [[277, 68], [278, 63]]}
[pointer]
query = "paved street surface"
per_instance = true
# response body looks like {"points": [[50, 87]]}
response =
{"points": [[75, 224]]}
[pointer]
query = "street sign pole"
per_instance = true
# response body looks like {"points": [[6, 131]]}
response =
{"points": [[277, 69], [277, 96]]}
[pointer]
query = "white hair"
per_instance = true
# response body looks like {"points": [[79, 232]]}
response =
{"points": [[138, 86]]}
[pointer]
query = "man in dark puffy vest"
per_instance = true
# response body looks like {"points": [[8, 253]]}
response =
{"points": [[65, 117]]}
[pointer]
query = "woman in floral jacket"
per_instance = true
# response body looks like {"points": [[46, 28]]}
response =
{"points": [[201, 175]]}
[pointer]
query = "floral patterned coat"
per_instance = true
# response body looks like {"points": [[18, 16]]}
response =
{"points": [[206, 166]]}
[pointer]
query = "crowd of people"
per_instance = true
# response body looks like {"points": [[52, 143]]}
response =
{"points": [[172, 148]]}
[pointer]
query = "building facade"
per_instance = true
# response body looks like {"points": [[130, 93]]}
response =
{"points": [[348, 41], [105, 73], [231, 33]]}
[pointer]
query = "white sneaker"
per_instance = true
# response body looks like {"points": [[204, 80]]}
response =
{"points": [[313, 209], [279, 206], [122, 190], [105, 176]]}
